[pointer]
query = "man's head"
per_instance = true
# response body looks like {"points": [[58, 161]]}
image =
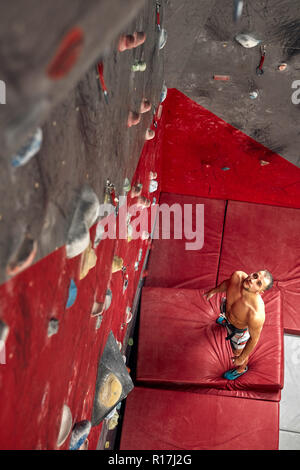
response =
{"points": [[258, 282]]}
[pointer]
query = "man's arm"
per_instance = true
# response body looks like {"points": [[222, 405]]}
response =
{"points": [[255, 325], [221, 288]]}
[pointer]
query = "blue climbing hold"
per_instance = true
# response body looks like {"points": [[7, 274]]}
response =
{"points": [[79, 434], [29, 149], [72, 294]]}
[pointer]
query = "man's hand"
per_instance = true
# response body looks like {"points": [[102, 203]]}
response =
{"points": [[221, 288], [208, 295]]}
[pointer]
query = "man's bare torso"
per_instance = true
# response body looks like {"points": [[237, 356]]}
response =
{"points": [[240, 304]]}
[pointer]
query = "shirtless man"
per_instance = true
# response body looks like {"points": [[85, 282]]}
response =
{"points": [[243, 314]]}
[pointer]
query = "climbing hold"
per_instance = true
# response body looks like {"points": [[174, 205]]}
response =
{"points": [[136, 190], [247, 40], [139, 38], [117, 264], [282, 67], [139, 66], [53, 326], [79, 434], [126, 186], [85, 214], [153, 186], [263, 162], [225, 168], [4, 330], [133, 119], [88, 261], [65, 425], [125, 42], [128, 315], [66, 55], [30, 148], [162, 38], [237, 10], [163, 93], [130, 342], [150, 134], [72, 294], [23, 258], [259, 69], [98, 322], [129, 41], [110, 391], [113, 422], [152, 175], [143, 201], [145, 106], [106, 445], [108, 299], [97, 309], [253, 95], [125, 284], [142, 66], [222, 77]]}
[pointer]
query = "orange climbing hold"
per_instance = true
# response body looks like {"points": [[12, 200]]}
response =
{"points": [[129, 41]]}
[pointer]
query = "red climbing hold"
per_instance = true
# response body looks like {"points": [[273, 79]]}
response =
{"points": [[66, 55]]}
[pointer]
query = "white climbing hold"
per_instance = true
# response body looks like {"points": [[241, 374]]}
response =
{"points": [[53, 326], [162, 39], [163, 94], [108, 299], [65, 425], [86, 213], [247, 40], [29, 149], [153, 186]]}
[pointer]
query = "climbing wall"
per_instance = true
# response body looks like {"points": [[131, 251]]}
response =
{"points": [[65, 286]]}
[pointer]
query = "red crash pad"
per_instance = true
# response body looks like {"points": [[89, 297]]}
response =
{"points": [[172, 420], [171, 264], [181, 345], [258, 236]]}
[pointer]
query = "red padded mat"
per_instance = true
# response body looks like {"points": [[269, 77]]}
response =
{"points": [[173, 420], [180, 344], [171, 264], [258, 236]]}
